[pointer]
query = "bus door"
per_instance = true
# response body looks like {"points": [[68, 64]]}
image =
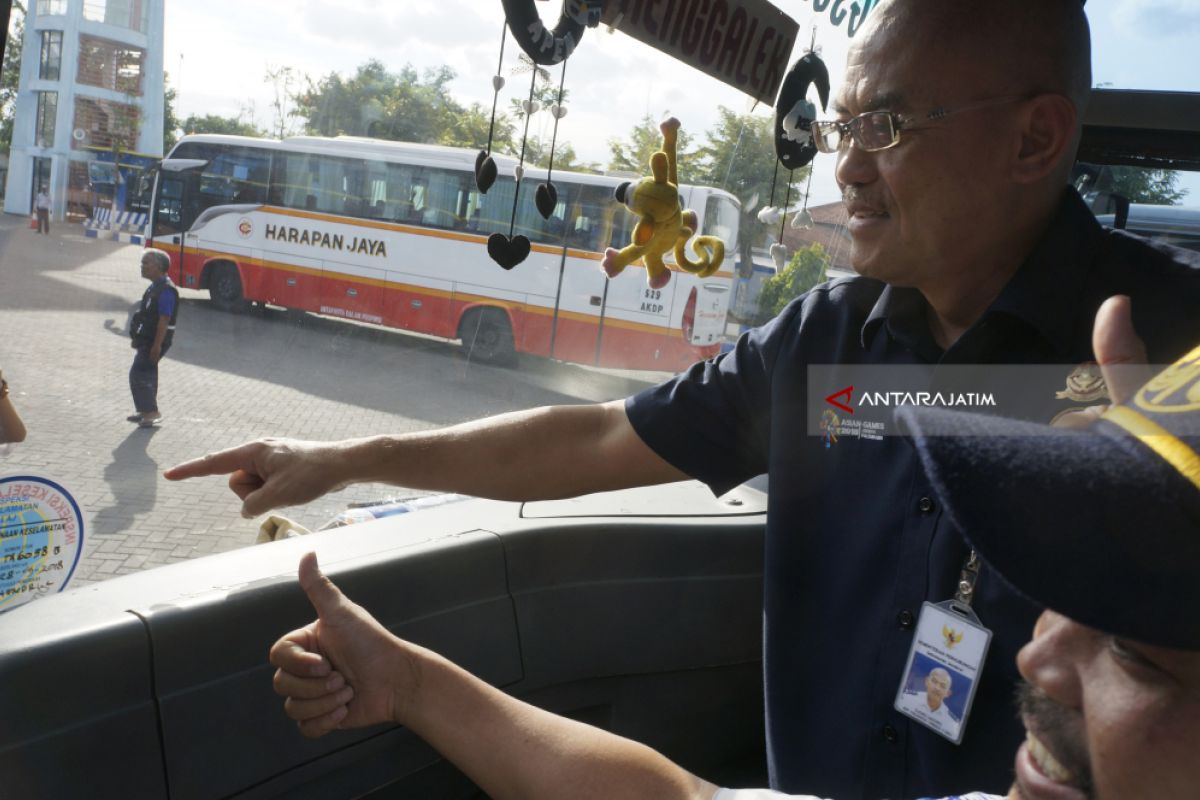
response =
{"points": [[175, 207]]}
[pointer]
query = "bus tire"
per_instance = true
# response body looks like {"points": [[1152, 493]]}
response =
{"points": [[487, 337], [225, 288]]}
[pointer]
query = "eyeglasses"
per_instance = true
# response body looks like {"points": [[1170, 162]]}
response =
{"points": [[879, 130]]}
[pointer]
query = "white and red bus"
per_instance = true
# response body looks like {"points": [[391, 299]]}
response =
{"points": [[396, 234]]}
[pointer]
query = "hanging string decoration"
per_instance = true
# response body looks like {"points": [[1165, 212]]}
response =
{"points": [[508, 251], [546, 196], [485, 165], [794, 147], [794, 114]]}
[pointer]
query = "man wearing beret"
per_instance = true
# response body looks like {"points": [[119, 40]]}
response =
{"points": [[1110, 697], [955, 135]]}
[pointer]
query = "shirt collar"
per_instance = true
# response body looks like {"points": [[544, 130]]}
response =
{"points": [[1043, 293]]}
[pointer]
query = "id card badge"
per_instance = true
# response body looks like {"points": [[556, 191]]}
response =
{"points": [[943, 668]]}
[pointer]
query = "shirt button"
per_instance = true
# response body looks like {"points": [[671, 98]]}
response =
{"points": [[890, 734], [906, 620], [925, 504]]}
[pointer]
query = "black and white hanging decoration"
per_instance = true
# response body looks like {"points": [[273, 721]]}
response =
{"points": [[485, 165], [550, 46], [546, 196], [508, 251], [794, 114], [794, 147]]}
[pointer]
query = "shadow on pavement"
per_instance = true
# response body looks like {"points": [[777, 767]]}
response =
{"points": [[133, 478], [377, 368]]}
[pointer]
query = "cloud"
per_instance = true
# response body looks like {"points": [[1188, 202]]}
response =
{"points": [[1158, 18]]}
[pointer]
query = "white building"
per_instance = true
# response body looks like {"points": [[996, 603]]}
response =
{"points": [[91, 83]]}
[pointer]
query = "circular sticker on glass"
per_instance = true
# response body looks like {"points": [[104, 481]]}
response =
{"points": [[41, 539]]}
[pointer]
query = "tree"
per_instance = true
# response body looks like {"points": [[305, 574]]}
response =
{"points": [[644, 140], [469, 128], [170, 121], [285, 103], [215, 123], [10, 74], [1140, 185], [739, 157], [805, 270]]}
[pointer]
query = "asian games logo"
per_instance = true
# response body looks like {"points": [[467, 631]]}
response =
{"points": [[245, 227], [829, 426]]}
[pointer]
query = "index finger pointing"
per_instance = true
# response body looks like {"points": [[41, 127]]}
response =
{"points": [[219, 463]]}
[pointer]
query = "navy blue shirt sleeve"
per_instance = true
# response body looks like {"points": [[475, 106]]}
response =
{"points": [[166, 302], [714, 420]]}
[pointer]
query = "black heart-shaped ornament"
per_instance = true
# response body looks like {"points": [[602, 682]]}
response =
{"points": [[508, 252], [545, 198], [485, 171]]}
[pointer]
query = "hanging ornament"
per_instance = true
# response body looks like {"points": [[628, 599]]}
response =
{"points": [[794, 115], [779, 254], [769, 215], [802, 220], [508, 251], [485, 165], [529, 107], [546, 196], [544, 45]]}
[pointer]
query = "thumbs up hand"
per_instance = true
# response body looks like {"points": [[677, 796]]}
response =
{"points": [[1122, 358], [344, 670]]}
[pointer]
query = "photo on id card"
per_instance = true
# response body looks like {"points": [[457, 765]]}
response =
{"points": [[942, 671]]}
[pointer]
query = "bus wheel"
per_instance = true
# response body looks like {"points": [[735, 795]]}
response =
{"points": [[487, 337], [225, 288]]}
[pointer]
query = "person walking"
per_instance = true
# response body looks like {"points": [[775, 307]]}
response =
{"points": [[41, 205], [152, 330]]}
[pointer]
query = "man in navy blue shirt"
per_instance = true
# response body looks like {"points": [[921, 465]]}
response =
{"points": [[152, 329], [956, 132], [1110, 696]]}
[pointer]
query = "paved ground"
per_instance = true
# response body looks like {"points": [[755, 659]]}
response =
{"points": [[63, 302]]}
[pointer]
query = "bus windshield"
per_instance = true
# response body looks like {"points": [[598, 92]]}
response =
{"points": [[378, 219]]}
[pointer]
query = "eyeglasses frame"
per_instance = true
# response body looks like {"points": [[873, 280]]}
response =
{"points": [[903, 122]]}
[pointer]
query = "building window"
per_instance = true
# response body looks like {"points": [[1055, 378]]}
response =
{"points": [[129, 14], [51, 62], [47, 111], [106, 124], [46, 7], [110, 65]]}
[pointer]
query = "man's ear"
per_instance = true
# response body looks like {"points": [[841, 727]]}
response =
{"points": [[1047, 134]]}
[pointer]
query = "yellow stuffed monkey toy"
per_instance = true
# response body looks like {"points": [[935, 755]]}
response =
{"points": [[662, 225]]}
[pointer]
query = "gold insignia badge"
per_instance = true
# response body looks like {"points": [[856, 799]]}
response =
{"points": [[1085, 384], [951, 636], [1175, 389]]}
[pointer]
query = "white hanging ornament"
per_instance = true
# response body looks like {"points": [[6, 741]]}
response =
{"points": [[497, 82], [803, 220], [769, 215], [558, 111], [530, 106], [779, 253], [518, 172]]}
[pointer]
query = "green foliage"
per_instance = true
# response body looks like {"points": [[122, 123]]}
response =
{"points": [[401, 106], [215, 123], [644, 140], [170, 120], [739, 157], [10, 73], [805, 270], [1154, 186]]}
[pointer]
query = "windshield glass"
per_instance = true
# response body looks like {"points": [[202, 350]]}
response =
{"points": [[340, 270]]}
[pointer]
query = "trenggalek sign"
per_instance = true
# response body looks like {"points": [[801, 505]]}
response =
{"points": [[744, 43]]}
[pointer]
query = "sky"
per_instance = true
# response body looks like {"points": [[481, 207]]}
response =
{"points": [[217, 53]]}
